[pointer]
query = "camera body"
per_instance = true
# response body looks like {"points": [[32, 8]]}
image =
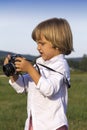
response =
{"points": [[10, 69]]}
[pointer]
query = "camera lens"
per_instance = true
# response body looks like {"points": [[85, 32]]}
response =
{"points": [[9, 69]]}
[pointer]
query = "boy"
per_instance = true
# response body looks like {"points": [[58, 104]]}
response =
{"points": [[45, 82]]}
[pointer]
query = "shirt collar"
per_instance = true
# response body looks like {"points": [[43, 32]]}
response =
{"points": [[52, 60]]}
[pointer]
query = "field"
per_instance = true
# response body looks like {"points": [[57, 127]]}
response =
{"points": [[77, 108], [13, 105]]}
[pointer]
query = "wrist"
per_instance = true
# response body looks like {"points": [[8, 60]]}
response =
{"points": [[14, 77]]}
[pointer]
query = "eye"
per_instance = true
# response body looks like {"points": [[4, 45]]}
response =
{"points": [[41, 43]]}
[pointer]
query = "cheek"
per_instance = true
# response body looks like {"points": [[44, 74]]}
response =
{"points": [[48, 54]]}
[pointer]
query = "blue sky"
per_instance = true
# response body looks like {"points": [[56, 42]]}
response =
{"points": [[19, 17]]}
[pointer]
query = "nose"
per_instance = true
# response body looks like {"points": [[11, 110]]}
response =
{"points": [[38, 46]]}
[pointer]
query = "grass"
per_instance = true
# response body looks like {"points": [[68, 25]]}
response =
{"points": [[77, 108], [13, 105]]}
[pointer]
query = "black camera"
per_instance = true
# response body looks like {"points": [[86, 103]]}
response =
{"points": [[10, 69]]}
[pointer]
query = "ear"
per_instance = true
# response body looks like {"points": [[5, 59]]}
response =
{"points": [[57, 48]]}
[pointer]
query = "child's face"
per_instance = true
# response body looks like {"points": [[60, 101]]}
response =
{"points": [[46, 49]]}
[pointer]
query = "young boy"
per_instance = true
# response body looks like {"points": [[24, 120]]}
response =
{"points": [[45, 82]]}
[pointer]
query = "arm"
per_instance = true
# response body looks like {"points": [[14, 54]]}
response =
{"points": [[21, 84], [46, 85], [16, 81], [25, 66], [22, 65], [51, 85]]}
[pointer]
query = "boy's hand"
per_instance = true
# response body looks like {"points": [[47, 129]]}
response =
{"points": [[22, 65], [6, 61]]}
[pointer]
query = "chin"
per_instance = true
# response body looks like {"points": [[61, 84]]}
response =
{"points": [[45, 58]]}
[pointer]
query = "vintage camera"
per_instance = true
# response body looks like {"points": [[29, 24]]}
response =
{"points": [[10, 69]]}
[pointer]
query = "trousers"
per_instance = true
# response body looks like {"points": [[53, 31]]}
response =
{"points": [[30, 126]]}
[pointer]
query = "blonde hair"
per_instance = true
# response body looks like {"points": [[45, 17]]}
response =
{"points": [[58, 32]]}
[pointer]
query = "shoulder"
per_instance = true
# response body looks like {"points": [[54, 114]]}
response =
{"points": [[60, 64], [59, 61]]}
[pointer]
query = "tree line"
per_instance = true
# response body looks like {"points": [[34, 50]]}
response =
{"points": [[78, 64], [74, 63]]}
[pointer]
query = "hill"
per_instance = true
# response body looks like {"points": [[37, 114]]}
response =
{"points": [[5, 53], [78, 63], [31, 57]]}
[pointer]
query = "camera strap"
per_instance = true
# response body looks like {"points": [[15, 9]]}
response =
{"points": [[65, 79]]}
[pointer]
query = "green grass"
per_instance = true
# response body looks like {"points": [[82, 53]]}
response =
{"points": [[13, 106], [77, 108]]}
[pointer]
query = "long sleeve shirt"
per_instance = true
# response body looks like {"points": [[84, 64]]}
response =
{"points": [[46, 101]]}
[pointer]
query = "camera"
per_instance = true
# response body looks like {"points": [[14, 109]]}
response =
{"points": [[10, 69]]}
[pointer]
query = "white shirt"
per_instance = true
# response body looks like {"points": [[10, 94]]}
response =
{"points": [[46, 102]]}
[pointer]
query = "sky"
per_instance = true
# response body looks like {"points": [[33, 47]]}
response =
{"points": [[18, 18]]}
